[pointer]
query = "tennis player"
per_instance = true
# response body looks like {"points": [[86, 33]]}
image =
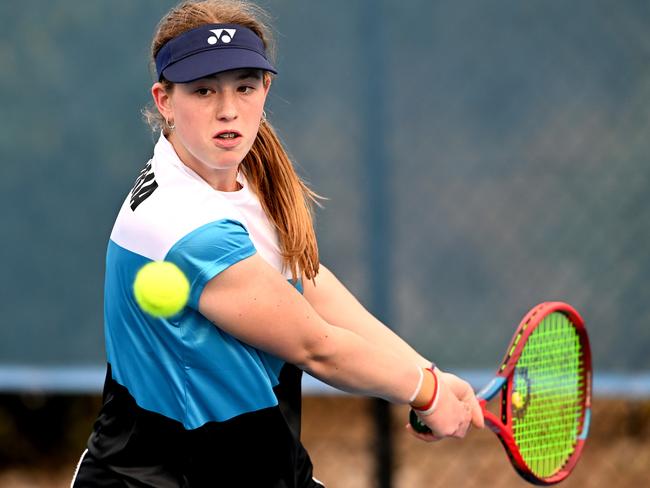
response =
{"points": [[211, 397]]}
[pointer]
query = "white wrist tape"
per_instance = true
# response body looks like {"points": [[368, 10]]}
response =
{"points": [[418, 387]]}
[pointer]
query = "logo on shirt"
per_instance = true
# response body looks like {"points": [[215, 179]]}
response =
{"points": [[144, 186], [223, 35]]}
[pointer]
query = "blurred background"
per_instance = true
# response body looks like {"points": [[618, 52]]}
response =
{"points": [[478, 158]]}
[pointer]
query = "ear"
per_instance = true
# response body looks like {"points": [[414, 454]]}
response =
{"points": [[162, 99], [266, 82]]}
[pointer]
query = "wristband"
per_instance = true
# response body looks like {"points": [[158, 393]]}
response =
{"points": [[430, 407]]}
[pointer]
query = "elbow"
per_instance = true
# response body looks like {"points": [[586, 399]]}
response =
{"points": [[317, 355]]}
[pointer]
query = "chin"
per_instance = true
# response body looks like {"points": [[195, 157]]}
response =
{"points": [[229, 162]]}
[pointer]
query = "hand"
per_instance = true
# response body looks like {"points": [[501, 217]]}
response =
{"points": [[457, 408], [465, 394]]}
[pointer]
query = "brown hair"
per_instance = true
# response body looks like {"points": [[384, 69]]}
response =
{"points": [[286, 199]]}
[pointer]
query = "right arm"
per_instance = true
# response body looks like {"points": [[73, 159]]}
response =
{"points": [[251, 301], [254, 303]]}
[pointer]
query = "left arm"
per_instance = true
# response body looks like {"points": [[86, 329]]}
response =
{"points": [[336, 305]]}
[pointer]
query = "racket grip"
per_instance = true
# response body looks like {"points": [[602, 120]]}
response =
{"points": [[417, 424]]}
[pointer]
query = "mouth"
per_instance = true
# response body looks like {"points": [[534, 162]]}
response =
{"points": [[227, 139], [226, 135]]}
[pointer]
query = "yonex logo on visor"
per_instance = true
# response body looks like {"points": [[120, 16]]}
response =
{"points": [[211, 49], [227, 37]]}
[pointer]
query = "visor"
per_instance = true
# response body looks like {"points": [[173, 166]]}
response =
{"points": [[211, 49]]}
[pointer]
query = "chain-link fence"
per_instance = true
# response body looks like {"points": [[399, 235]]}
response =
{"points": [[513, 140]]}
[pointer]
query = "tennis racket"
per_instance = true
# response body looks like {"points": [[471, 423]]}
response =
{"points": [[545, 401]]}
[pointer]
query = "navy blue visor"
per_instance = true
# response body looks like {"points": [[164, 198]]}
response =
{"points": [[211, 49]]}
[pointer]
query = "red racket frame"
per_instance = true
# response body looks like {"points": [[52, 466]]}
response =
{"points": [[503, 381]]}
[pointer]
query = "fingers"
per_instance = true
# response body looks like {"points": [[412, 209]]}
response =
{"points": [[474, 407], [430, 437], [463, 427], [477, 414], [465, 394], [452, 423]]}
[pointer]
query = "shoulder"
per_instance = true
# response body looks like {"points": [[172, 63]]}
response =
{"points": [[166, 207]]}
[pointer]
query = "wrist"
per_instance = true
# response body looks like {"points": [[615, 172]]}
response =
{"points": [[426, 399]]}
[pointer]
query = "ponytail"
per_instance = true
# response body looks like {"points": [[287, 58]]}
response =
{"points": [[286, 199]]}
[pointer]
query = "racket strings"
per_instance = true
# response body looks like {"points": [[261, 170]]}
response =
{"points": [[549, 377]]}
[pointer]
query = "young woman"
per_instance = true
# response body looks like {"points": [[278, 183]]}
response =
{"points": [[211, 397]]}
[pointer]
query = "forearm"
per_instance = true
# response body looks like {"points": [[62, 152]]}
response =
{"points": [[335, 304], [347, 361], [369, 327]]}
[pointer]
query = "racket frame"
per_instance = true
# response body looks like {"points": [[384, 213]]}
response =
{"points": [[503, 383]]}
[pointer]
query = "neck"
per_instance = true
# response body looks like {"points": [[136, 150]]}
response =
{"points": [[219, 179], [221, 182]]}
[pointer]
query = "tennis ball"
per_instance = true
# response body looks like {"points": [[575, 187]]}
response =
{"points": [[517, 400], [161, 289]]}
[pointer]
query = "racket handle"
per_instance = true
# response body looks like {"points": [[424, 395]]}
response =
{"points": [[417, 424]]}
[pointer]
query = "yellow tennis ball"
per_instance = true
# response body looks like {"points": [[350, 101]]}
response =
{"points": [[517, 400], [161, 289]]}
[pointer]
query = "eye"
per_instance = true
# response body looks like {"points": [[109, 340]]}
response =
{"points": [[245, 89], [202, 91]]}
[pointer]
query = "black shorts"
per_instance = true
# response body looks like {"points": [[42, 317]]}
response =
{"points": [[92, 473]]}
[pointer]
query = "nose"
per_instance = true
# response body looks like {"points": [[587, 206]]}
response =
{"points": [[227, 107]]}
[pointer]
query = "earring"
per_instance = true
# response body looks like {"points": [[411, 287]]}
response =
{"points": [[171, 126], [263, 115]]}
